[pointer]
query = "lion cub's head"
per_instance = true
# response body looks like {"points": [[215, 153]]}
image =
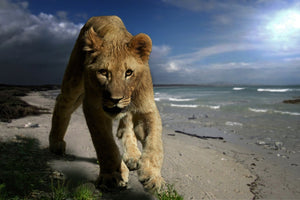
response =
{"points": [[115, 68]]}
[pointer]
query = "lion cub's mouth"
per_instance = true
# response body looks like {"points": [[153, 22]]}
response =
{"points": [[115, 110]]}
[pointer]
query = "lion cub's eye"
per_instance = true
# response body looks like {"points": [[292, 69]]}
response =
{"points": [[128, 72], [103, 72]]}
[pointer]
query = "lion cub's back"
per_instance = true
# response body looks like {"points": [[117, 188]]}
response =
{"points": [[108, 27]]}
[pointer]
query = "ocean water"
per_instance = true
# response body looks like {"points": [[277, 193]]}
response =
{"points": [[251, 113]]}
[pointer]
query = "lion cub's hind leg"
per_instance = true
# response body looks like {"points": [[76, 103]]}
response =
{"points": [[131, 153]]}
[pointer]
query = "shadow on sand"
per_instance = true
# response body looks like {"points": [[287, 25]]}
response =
{"points": [[25, 172], [23, 167]]}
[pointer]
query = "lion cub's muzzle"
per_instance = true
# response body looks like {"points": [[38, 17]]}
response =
{"points": [[115, 106]]}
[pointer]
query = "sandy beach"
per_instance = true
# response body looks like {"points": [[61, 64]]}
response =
{"points": [[198, 168]]}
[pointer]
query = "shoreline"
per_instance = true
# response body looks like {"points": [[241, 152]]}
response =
{"points": [[199, 169], [276, 168]]}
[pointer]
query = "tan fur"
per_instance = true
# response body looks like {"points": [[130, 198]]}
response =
{"points": [[108, 71]]}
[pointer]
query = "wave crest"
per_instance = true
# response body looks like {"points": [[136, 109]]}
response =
{"points": [[273, 90], [287, 113], [184, 106], [258, 110], [176, 99], [238, 88]]}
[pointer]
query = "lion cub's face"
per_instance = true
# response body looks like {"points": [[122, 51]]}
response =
{"points": [[115, 80], [114, 70]]}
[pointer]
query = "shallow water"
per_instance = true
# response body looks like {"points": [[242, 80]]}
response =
{"points": [[254, 113]]}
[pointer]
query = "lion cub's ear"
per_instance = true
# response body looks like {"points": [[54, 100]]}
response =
{"points": [[141, 44], [92, 41]]}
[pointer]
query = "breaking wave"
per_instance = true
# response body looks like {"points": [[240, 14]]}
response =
{"points": [[184, 106], [274, 111], [258, 110], [287, 113], [273, 90], [214, 107], [238, 88], [176, 99]]}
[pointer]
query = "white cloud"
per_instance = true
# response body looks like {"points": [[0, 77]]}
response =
{"points": [[160, 51], [186, 68], [200, 54], [229, 65], [33, 48], [172, 67]]}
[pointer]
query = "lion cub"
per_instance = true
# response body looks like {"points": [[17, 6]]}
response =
{"points": [[108, 72]]}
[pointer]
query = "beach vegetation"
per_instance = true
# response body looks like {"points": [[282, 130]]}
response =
{"points": [[12, 107], [83, 192], [2, 191], [169, 193], [59, 191]]}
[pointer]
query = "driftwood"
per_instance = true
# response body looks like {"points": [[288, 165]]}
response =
{"points": [[198, 136]]}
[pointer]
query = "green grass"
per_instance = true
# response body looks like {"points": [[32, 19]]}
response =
{"points": [[2, 192], [169, 194], [83, 192], [59, 191], [62, 191]]}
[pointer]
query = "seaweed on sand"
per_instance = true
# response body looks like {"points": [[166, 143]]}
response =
{"points": [[12, 107]]}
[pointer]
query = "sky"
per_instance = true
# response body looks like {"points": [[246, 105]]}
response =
{"points": [[194, 41]]}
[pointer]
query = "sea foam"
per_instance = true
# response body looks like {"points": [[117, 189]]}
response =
{"points": [[258, 110], [176, 99], [233, 123], [238, 88], [184, 106], [273, 90], [274, 111], [215, 107], [211, 107], [287, 113]]}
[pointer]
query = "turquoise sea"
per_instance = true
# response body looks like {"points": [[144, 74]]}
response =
{"points": [[255, 114]]}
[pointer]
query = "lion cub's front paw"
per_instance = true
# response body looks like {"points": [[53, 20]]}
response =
{"points": [[151, 180], [132, 160], [109, 182], [57, 147]]}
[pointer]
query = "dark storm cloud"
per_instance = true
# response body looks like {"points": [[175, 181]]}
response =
{"points": [[34, 49]]}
